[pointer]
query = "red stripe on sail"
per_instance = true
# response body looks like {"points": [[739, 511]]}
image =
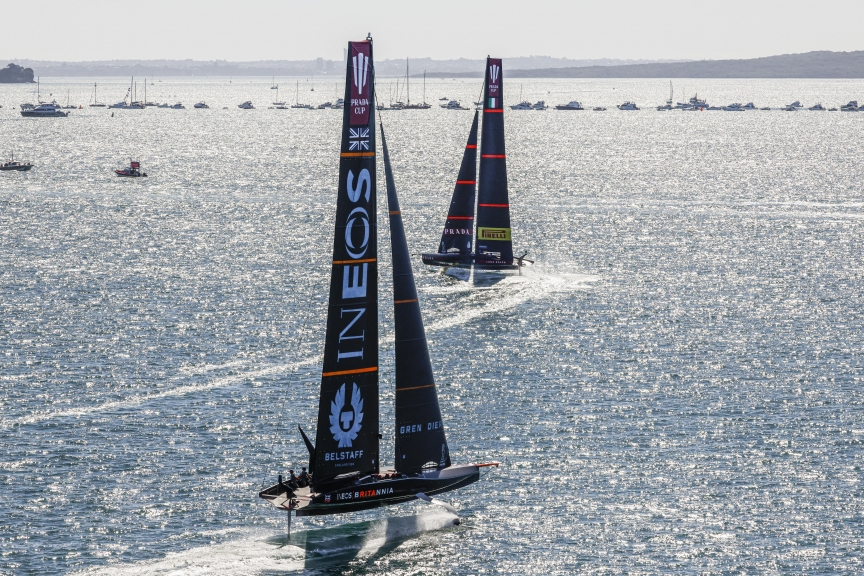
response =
{"points": [[471, 146], [494, 205], [466, 181], [493, 156], [494, 110], [460, 218]]}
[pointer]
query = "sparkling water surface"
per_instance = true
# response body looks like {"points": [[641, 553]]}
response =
{"points": [[674, 387]]}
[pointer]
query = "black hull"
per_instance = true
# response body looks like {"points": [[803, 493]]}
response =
{"points": [[438, 259], [16, 168], [369, 493], [465, 261]]}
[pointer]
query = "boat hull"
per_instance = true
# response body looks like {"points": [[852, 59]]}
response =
{"points": [[369, 492], [466, 261], [32, 114], [22, 168]]}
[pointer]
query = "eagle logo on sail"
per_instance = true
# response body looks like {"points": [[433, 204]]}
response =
{"points": [[345, 423]]}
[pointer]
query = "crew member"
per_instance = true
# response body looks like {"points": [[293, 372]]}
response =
{"points": [[303, 479]]}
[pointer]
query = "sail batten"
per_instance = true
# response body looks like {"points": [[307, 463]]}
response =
{"points": [[419, 431], [493, 244], [347, 433]]}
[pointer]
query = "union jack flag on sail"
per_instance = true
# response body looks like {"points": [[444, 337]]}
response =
{"points": [[358, 139]]}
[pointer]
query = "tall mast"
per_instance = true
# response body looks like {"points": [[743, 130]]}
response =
{"points": [[494, 245], [347, 431], [407, 83]]}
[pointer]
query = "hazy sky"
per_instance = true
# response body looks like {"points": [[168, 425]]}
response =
{"points": [[298, 30]]}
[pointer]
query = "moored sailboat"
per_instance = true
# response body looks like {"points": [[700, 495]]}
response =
{"points": [[344, 461], [493, 247]]}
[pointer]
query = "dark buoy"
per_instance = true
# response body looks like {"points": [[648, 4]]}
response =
{"points": [[457, 522]]}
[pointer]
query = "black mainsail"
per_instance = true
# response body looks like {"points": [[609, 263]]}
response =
{"points": [[420, 438], [347, 435], [494, 246]]}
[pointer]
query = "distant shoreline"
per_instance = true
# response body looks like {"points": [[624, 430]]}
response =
{"points": [[812, 65]]}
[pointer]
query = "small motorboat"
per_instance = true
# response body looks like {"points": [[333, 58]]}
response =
{"points": [[178, 106], [749, 106], [323, 106], [201, 104], [12, 164], [598, 109], [817, 108], [453, 105], [246, 105], [539, 105], [338, 105], [445, 99], [852, 106], [736, 107], [132, 171], [628, 106], [572, 105], [524, 105]]}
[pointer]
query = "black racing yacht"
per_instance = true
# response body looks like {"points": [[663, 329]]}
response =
{"points": [[345, 465], [493, 249]]}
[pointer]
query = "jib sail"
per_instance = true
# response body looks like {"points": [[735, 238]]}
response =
{"points": [[493, 245], [347, 435], [420, 438], [459, 227]]}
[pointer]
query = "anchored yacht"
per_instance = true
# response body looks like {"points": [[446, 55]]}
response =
{"points": [[454, 105], [572, 105], [736, 107], [13, 164], [817, 107], [51, 110], [201, 104], [628, 106], [246, 105]]}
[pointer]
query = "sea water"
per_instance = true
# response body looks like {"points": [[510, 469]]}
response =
{"points": [[673, 387]]}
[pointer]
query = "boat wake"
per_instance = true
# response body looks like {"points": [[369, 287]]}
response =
{"points": [[493, 293], [134, 401], [476, 301], [313, 549]]}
